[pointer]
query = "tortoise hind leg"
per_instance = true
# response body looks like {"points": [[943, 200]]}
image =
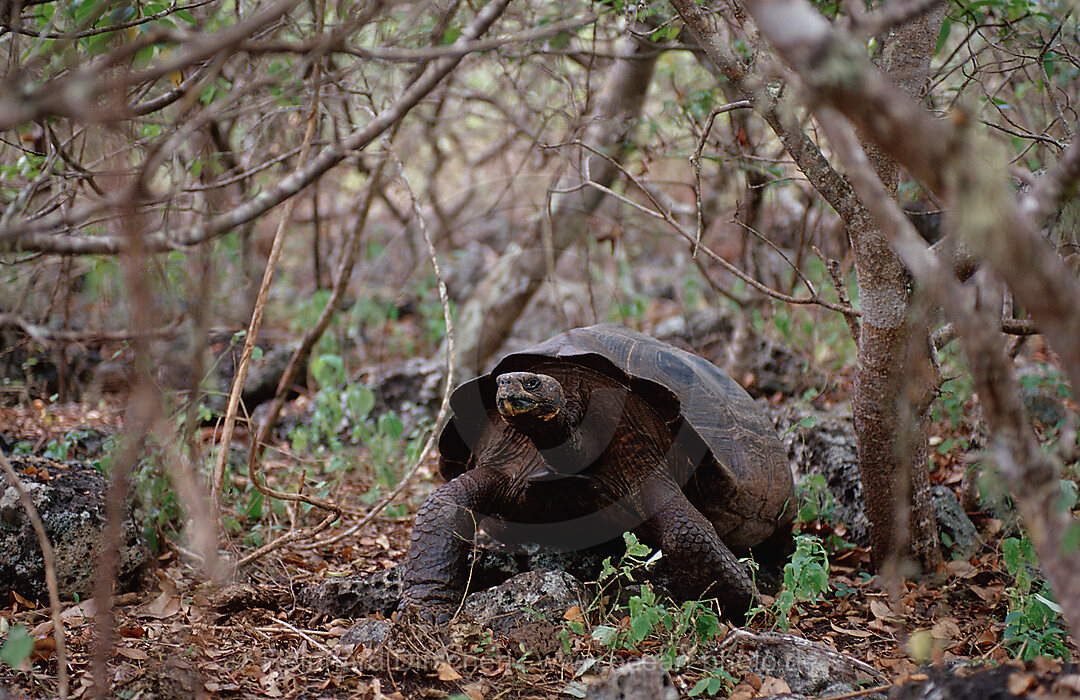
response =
{"points": [[699, 561]]}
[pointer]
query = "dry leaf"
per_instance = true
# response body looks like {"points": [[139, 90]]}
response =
{"points": [[42, 630], [1020, 682], [447, 673], [774, 686], [920, 646], [131, 653], [880, 609], [988, 594], [1070, 682], [43, 649], [165, 605], [1045, 665], [945, 629], [961, 568], [852, 633], [988, 636], [87, 608]]}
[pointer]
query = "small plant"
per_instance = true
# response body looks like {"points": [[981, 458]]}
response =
{"points": [[670, 632], [714, 682], [806, 580], [817, 512], [1033, 625], [342, 410], [816, 502]]}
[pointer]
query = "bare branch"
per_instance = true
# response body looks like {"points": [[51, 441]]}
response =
{"points": [[31, 236]]}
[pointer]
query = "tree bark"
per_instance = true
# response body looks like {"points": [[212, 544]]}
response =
{"points": [[895, 376], [488, 317]]}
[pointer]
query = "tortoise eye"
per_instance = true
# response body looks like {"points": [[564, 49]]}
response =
{"points": [[531, 384]]}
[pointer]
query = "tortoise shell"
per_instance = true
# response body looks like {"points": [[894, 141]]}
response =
{"points": [[730, 463]]}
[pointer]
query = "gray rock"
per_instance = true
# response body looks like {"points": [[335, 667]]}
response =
{"points": [[71, 503], [953, 521], [367, 631], [639, 679], [806, 669], [526, 597], [263, 375], [827, 449], [411, 389], [355, 597]]}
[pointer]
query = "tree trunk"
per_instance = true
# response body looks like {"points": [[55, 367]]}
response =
{"points": [[895, 376], [489, 315]]}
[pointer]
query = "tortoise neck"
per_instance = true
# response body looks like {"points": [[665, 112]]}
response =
{"points": [[570, 444]]}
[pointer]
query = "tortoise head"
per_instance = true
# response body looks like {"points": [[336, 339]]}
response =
{"points": [[524, 397]]}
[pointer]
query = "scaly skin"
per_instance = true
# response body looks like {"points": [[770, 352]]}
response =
{"points": [[703, 564], [435, 568]]}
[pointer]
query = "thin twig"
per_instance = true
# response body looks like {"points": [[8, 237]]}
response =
{"points": [[342, 275], [833, 268], [46, 336], [217, 485], [444, 405], [695, 162], [662, 214]]}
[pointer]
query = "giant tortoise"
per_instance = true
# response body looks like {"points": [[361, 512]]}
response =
{"points": [[598, 431]]}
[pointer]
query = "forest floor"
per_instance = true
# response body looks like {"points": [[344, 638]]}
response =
{"points": [[181, 637]]}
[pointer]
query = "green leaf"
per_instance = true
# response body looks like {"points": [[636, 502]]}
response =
{"points": [[604, 634], [121, 14], [143, 56], [1049, 603], [699, 687], [1010, 552], [1069, 495], [361, 400], [560, 40], [640, 627], [943, 35], [328, 370], [450, 36], [253, 511], [1070, 541], [17, 646], [391, 426]]}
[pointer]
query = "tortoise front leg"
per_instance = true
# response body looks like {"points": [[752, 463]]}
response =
{"points": [[441, 539], [699, 560]]}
